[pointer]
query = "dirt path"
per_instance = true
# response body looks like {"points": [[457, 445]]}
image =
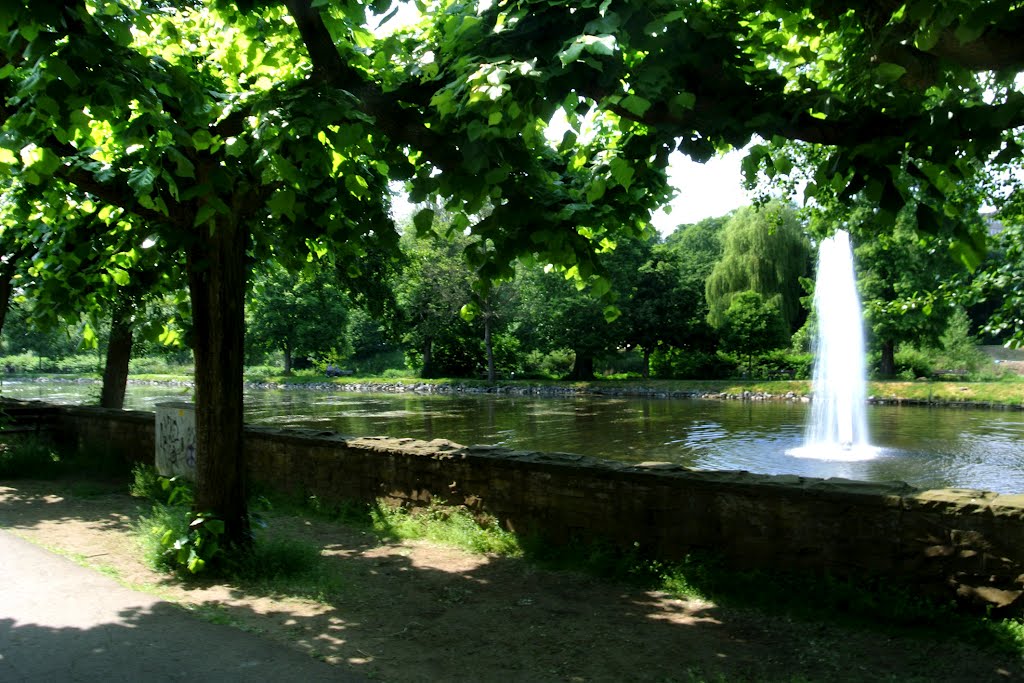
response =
{"points": [[419, 612]]}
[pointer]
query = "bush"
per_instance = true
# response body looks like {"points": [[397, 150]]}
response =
{"points": [[912, 363], [783, 364], [620, 365], [686, 364], [159, 365], [553, 365], [27, 456], [80, 364], [378, 364]]}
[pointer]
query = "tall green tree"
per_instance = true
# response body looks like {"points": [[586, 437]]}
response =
{"points": [[663, 309], [240, 127], [752, 325], [432, 291], [900, 278], [765, 250], [304, 315]]}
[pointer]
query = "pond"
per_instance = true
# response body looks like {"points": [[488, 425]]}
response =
{"points": [[926, 447]]}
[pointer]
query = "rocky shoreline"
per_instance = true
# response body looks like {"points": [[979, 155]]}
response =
{"points": [[547, 390]]}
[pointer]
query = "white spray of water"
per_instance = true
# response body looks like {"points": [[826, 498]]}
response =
{"points": [[838, 426]]}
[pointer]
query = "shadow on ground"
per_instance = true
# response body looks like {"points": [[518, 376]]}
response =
{"points": [[419, 612]]}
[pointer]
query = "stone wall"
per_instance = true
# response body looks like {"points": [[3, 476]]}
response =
{"points": [[947, 542]]}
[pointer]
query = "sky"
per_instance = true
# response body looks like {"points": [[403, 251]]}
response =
{"points": [[713, 188], [703, 191]]}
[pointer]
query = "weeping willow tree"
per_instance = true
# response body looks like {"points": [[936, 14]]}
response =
{"points": [[765, 251]]}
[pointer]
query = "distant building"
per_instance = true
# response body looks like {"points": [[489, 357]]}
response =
{"points": [[994, 226]]}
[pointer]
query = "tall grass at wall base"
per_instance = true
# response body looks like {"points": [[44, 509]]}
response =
{"points": [[28, 456], [272, 565], [37, 456]]}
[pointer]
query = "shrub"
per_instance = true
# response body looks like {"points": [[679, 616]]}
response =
{"points": [[27, 456], [783, 364], [552, 365], [912, 363], [691, 364]]}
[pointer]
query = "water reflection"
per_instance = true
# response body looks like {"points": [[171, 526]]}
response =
{"points": [[927, 447]]}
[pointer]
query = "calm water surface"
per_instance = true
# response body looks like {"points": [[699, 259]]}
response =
{"points": [[926, 447]]}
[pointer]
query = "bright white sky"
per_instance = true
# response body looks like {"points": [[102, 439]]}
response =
{"points": [[703, 190]]}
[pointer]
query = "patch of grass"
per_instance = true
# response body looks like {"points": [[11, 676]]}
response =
{"points": [[446, 524], [28, 456], [274, 565], [146, 483]]}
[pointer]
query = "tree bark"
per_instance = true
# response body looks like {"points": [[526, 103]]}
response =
{"points": [[428, 361], [646, 369], [489, 346], [287, 359], [217, 281], [583, 368], [119, 353], [887, 365], [6, 288]]}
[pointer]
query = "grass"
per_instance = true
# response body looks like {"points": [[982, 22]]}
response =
{"points": [[28, 456], [864, 603]]}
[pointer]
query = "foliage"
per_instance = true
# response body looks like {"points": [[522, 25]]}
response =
{"points": [[178, 538], [684, 364], [1000, 278], [552, 365], [900, 278], [305, 315], [148, 484], [913, 363], [751, 325], [447, 524], [434, 288], [27, 456], [218, 132], [764, 251], [784, 364]]}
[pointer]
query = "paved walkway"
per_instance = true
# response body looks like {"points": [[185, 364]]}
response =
{"points": [[63, 622]]}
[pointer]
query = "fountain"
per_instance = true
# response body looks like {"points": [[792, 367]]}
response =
{"points": [[838, 426]]}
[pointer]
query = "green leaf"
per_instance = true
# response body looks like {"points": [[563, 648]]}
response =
{"points": [[141, 180], [966, 33], [282, 203], [121, 277], [596, 190], [684, 100], [423, 221], [89, 338], [469, 311], [202, 139], [205, 213], [888, 72], [622, 172], [636, 105], [611, 313], [183, 168]]}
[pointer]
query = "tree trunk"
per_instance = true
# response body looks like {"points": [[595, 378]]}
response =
{"points": [[287, 359], [887, 365], [489, 346], [119, 352], [217, 280], [645, 371], [6, 288], [583, 368], [428, 362]]}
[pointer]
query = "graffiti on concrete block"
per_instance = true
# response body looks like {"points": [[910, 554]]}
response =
{"points": [[176, 440]]}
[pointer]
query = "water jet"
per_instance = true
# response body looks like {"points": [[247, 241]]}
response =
{"points": [[837, 429]]}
